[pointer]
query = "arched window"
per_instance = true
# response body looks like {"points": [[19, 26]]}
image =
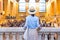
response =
{"points": [[22, 5], [32, 3], [42, 6]]}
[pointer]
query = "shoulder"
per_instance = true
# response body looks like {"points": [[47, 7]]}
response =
{"points": [[36, 17], [27, 16]]}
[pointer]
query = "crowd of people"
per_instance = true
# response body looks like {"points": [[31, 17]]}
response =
{"points": [[21, 23], [13, 23], [50, 24]]}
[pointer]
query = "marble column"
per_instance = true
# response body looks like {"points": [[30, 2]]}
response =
{"points": [[1, 36], [58, 36], [7, 36], [46, 36], [39, 36], [14, 36], [52, 36], [21, 36]]}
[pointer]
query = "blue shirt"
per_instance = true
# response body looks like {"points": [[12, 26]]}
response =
{"points": [[32, 22]]}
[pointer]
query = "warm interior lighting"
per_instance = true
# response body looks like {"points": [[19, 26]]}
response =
{"points": [[3, 12], [12, 9], [22, 5], [14, 1]]}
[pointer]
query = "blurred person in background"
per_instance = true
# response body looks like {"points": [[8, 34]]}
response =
{"points": [[43, 24], [48, 24]]}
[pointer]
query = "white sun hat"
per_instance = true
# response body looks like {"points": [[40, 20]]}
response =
{"points": [[32, 10]]}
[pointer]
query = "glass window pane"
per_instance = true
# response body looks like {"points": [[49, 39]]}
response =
{"points": [[22, 5], [32, 4], [42, 6], [31, 1], [21, 0], [42, 1]]}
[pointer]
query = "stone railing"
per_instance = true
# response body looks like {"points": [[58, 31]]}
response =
{"points": [[16, 33]]}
